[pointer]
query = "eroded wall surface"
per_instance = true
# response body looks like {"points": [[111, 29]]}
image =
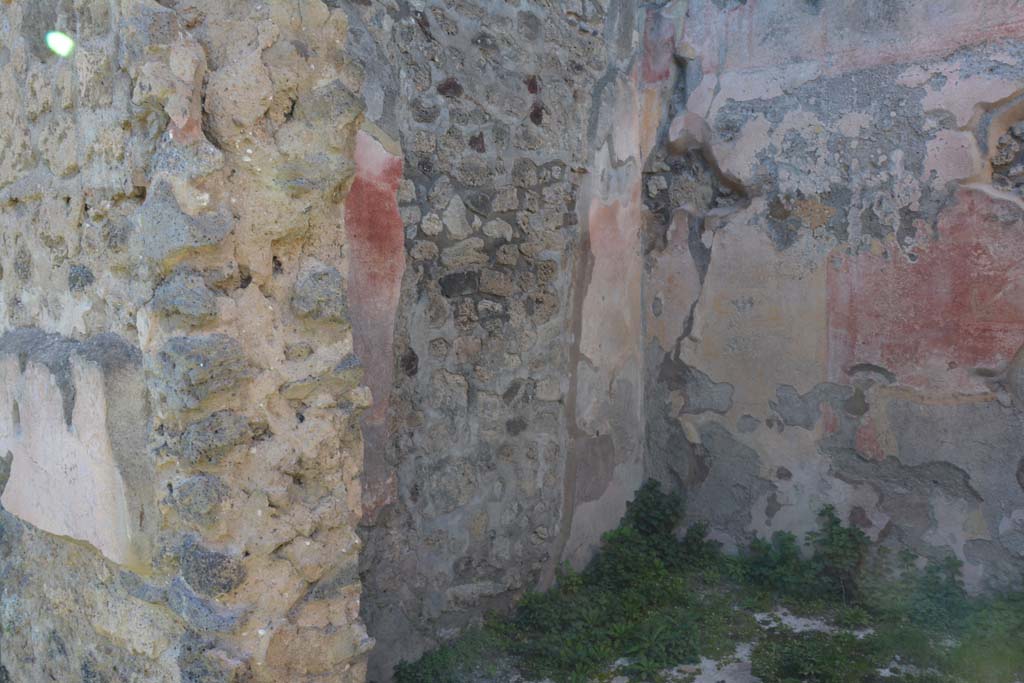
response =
{"points": [[845, 328], [508, 433], [180, 450], [763, 251], [461, 275]]}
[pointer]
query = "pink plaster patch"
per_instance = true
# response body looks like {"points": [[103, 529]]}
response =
{"points": [[866, 440], [659, 47], [376, 244], [960, 306], [829, 420]]}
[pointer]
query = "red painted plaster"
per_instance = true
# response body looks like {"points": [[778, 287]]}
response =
{"points": [[960, 306], [376, 248]]}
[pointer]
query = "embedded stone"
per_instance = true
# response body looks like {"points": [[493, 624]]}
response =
{"points": [[165, 231], [498, 229], [209, 572], [79, 277], [460, 284], [210, 439], [320, 295], [197, 498], [455, 219], [198, 367], [466, 253], [185, 294], [497, 283]]}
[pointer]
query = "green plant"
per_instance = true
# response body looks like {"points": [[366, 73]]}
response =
{"points": [[839, 555], [784, 656], [454, 662], [660, 601], [777, 566], [652, 512], [853, 617], [991, 644]]}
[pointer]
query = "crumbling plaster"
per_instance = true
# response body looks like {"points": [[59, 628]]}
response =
{"points": [[324, 313]]}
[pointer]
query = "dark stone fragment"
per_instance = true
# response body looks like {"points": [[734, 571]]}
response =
{"points": [[209, 439], [23, 264], [319, 294], [476, 142], [79, 277], [450, 87], [410, 363], [537, 113], [783, 474], [197, 498], [515, 426], [532, 85], [5, 470], [1020, 473], [200, 366], [198, 666], [185, 294], [478, 202], [424, 111], [460, 284], [209, 572], [422, 21], [201, 613], [486, 42], [90, 674], [529, 25]]}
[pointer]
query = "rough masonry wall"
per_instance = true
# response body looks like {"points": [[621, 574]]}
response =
{"points": [[180, 450], [767, 251], [844, 324], [506, 359]]}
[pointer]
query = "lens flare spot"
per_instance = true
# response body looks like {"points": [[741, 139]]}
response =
{"points": [[60, 42]]}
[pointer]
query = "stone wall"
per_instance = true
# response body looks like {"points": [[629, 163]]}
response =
{"points": [[673, 240], [528, 254], [507, 358], [180, 399]]}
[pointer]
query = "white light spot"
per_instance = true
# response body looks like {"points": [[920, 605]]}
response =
{"points": [[61, 43]]}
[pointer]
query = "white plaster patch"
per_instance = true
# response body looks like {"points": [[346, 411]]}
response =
{"points": [[953, 155], [759, 303], [64, 479]]}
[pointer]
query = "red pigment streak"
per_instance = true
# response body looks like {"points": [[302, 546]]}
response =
{"points": [[959, 306], [376, 247]]}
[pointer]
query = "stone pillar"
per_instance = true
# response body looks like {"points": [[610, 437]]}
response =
{"points": [[180, 450]]}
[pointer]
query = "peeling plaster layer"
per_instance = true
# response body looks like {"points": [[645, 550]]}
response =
{"points": [[866, 294]]}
